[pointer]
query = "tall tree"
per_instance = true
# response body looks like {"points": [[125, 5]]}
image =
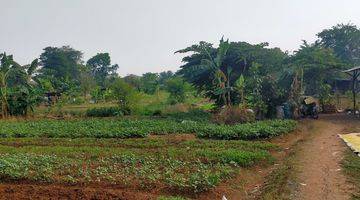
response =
{"points": [[212, 63], [344, 39], [60, 65], [101, 68], [314, 65]]}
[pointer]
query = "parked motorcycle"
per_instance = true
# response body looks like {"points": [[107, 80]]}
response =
{"points": [[309, 107]]}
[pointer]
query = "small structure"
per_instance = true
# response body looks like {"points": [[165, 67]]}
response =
{"points": [[354, 73], [341, 85]]}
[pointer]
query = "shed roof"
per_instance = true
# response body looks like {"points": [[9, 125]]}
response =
{"points": [[352, 69]]}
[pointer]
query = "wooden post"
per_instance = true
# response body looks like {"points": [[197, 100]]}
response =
{"points": [[354, 91], [354, 73]]}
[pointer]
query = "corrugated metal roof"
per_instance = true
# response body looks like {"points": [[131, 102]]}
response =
{"points": [[352, 69]]}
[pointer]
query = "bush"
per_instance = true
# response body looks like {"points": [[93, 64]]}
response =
{"points": [[127, 97], [234, 115], [104, 112]]}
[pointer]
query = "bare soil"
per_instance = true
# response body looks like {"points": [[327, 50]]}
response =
{"points": [[318, 160]]}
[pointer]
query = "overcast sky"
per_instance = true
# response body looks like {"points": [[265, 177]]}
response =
{"points": [[141, 35]]}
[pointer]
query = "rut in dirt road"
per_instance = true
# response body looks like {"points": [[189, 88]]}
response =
{"points": [[318, 161]]}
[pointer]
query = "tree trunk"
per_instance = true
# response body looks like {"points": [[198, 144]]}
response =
{"points": [[228, 93]]}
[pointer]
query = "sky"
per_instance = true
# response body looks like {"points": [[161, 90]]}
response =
{"points": [[142, 35]]}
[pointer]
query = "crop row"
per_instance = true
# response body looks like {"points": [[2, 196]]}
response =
{"points": [[249, 131], [124, 128], [194, 165]]}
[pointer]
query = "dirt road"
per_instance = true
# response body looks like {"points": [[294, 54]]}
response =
{"points": [[317, 162]]}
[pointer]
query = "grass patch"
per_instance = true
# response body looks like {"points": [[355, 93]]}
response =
{"points": [[277, 185], [351, 166]]}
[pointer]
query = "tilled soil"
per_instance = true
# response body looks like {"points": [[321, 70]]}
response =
{"points": [[52, 191]]}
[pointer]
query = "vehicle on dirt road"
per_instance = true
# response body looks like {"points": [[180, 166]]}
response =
{"points": [[309, 107]]}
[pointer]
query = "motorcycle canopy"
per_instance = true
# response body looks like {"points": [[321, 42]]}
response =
{"points": [[309, 100]]}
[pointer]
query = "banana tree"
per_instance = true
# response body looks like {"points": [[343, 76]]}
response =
{"points": [[212, 64], [221, 79], [14, 77], [21, 80], [240, 87], [5, 67]]}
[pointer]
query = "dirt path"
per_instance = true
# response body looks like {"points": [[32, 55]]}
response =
{"points": [[319, 175]]}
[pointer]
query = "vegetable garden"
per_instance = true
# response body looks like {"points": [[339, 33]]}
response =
{"points": [[144, 154]]}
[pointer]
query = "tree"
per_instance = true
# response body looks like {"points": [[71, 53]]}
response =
{"points": [[134, 81], [344, 39], [177, 88], [101, 68], [87, 82], [314, 65], [150, 83], [60, 65], [212, 63], [5, 67], [164, 77], [124, 94], [18, 94], [240, 88], [255, 91]]}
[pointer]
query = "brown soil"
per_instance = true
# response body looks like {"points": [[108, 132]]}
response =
{"points": [[318, 160], [52, 191]]}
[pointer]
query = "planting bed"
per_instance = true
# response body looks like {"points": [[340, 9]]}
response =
{"points": [[152, 163], [112, 153], [119, 128]]}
